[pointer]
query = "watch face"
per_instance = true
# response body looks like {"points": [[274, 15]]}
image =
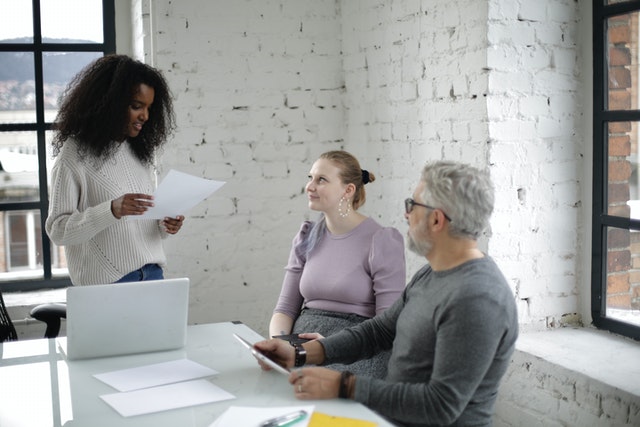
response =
{"points": [[301, 356]]}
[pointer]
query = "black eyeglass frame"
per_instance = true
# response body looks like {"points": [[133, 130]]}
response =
{"points": [[409, 203]]}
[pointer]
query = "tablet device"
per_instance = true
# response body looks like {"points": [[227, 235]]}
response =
{"points": [[260, 356]]}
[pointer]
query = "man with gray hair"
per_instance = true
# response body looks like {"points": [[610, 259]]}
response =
{"points": [[452, 332]]}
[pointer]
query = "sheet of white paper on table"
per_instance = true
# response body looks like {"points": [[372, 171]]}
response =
{"points": [[155, 375], [177, 193], [172, 396], [236, 416]]}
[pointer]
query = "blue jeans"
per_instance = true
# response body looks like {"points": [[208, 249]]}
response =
{"points": [[147, 272]]}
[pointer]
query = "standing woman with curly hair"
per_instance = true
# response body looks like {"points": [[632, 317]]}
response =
{"points": [[115, 115]]}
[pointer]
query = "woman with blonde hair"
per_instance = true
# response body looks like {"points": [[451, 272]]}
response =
{"points": [[345, 267]]}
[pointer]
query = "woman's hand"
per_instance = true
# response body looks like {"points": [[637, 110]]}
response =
{"points": [[131, 204], [172, 225], [311, 335]]}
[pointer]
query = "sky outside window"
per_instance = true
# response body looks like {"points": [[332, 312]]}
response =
{"points": [[61, 19]]}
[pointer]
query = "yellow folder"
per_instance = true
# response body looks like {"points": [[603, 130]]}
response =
{"points": [[319, 419]]}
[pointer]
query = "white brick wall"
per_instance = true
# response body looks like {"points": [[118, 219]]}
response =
{"points": [[415, 91], [535, 113], [263, 87], [554, 398], [259, 94]]}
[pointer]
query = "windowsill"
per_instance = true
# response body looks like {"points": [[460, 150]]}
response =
{"points": [[599, 355]]}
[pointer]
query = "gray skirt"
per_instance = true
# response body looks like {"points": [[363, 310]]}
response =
{"points": [[328, 323]]}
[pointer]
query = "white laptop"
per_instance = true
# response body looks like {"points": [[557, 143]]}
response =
{"points": [[126, 318]]}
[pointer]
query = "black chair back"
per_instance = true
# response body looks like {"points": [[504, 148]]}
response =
{"points": [[7, 330]]}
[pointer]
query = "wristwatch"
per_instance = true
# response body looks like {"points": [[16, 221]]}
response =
{"points": [[301, 355]]}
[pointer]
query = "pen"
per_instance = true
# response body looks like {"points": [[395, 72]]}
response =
{"points": [[284, 420]]}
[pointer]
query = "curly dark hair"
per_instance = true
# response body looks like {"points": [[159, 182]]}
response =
{"points": [[94, 109]]}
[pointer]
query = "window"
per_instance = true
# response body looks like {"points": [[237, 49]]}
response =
{"points": [[43, 44], [615, 298], [22, 248]]}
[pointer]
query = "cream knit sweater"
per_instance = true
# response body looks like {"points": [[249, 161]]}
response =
{"points": [[99, 247]]}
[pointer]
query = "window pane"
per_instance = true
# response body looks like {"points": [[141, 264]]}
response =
{"points": [[22, 242], [18, 167], [58, 70], [16, 21], [623, 195], [622, 50], [18, 241], [58, 262], [17, 88], [623, 275], [72, 21]]}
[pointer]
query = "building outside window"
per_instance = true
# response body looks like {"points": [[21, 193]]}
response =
{"points": [[43, 44], [616, 180]]}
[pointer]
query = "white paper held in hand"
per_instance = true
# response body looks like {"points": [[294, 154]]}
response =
{"points": [[177, 193]]}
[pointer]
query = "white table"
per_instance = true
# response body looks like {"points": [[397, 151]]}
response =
{"points": [[38, 388]]}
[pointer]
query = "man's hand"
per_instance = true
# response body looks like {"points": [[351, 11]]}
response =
{"points": [[278, 350], [315, 383]]}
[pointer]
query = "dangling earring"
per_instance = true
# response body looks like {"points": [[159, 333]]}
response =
{"points": [[347, 211]]}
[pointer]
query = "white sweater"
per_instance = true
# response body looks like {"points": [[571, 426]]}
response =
{"points": [[99, 247]]}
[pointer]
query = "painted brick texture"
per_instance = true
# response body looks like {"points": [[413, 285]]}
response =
{"points": [[538, 393], [262, 88], [258, 88], [536, 154]]}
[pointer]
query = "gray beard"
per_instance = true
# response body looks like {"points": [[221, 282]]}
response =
{"points": [[420, 248]]}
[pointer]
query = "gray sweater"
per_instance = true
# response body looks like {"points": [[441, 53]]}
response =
{"points": [[452, 334]]}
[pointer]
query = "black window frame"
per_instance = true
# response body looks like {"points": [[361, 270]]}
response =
{"points": [[38, 48], [601, 220]]}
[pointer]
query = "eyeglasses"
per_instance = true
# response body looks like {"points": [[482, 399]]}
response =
{"points": [[410, 203]]}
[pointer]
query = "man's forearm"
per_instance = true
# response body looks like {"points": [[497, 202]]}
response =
{"points": [[315, 352]]}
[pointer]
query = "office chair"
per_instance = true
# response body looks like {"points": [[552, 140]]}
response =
{"points": [[51, 314], [7, 330]]}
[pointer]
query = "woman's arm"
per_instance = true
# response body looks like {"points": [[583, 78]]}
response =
{"points": [[290, 300], [280, 324], [66, 224], [387, 264]]}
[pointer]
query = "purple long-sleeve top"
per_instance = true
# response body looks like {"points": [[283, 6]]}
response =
{"points": [[360, 272]]}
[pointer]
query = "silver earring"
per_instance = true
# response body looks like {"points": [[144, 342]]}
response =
{"points": [[346, 211]]}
